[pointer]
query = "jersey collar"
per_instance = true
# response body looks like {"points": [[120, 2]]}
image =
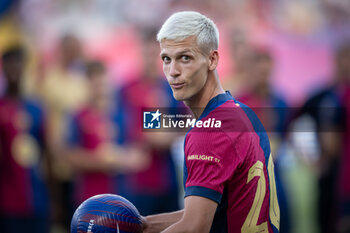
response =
{"points": [[216, 102]]}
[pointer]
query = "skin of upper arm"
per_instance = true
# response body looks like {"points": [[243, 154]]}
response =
{"points": [[198, 216]]}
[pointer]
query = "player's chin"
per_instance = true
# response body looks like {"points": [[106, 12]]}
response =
{"points": [[179, 95]]}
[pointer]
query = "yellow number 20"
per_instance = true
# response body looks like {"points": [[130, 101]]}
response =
{"points": [[250, 224]]}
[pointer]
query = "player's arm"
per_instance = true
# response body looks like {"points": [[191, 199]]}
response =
{"points": [[197, 217], [158, 222]]}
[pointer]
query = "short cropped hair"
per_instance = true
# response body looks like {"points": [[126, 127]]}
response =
{"points": [[184, 24]]}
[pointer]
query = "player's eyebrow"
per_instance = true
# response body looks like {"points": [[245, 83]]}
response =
{"points": [[176, 54], [183, 51], [163, 54]]}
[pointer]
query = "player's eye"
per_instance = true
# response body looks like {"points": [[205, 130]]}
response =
{"points": [[185, 58], [166, 59]]}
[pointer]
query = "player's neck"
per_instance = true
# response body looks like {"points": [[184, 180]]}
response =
{"points": [[211, 89]]}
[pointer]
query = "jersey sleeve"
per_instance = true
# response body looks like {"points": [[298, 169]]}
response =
{"points": [[210, 161]]}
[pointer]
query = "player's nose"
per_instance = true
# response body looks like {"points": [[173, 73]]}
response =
{"points": [[174, 70]]}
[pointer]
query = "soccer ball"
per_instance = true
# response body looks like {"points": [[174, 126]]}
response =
{"points": [[106, 213]]}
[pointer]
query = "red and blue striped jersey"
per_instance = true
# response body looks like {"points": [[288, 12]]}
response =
{"points": [[232, 165], [22, 181]]}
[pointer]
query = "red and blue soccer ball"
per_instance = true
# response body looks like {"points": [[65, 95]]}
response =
{"points": [[106, 213]]}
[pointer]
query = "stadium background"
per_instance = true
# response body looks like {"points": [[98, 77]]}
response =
{"points": [[298, 38]]}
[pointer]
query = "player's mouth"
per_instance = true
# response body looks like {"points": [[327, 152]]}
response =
{"points": [[177, 85]]}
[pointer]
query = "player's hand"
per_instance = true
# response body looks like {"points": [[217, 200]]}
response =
{"points": [[144, 224], [147, 228]]}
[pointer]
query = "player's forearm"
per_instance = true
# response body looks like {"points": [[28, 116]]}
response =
{"points": [[187, 226], [159, 222], [176, 228], [197, 218]]}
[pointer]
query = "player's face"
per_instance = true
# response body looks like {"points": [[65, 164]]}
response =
{"points": [[185, 66]]}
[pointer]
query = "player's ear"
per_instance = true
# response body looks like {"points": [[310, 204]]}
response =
{"points": [[213, 60]]}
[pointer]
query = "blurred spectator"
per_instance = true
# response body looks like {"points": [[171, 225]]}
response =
{"points": [[63, 91], [272, 111], [92, 152], [270, 107], [23, 196], [343, 75], [242, 53], [325, 108], [64, 87], [153, 190], [302, 50]]}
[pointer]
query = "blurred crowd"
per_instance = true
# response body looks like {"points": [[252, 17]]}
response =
{"points": [[75, 77]]}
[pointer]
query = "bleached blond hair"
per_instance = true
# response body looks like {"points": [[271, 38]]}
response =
{"points": [[184, 24]]}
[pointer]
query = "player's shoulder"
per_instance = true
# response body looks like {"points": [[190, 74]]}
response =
{"points": [[233, 117], [227, 122], [224, 116]]}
